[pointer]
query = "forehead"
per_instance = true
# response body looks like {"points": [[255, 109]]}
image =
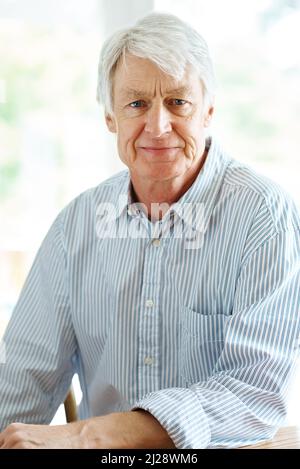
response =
{"points": [[135, 75]]}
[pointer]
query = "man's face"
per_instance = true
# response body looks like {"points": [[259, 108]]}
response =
{"points": [[159, 121]]}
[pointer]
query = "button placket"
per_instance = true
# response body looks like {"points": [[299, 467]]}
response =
{"points": [[149, 345]]}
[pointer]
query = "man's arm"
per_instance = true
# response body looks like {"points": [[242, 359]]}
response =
{"points": [[39, 341], [118, 430]]}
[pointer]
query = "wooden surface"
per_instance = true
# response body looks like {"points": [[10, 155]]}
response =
{"points": [[70, 407], [286, 438]]}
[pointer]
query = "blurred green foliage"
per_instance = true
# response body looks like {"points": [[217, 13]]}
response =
{"points": [[8, 176], [42, 69]]}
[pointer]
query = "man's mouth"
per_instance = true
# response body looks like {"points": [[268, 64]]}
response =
{"points": [[160, 151]]}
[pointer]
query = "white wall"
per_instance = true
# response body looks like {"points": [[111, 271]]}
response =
{"points": [[116, 14]]}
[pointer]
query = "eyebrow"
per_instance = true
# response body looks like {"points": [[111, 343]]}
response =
{"points": [[133, 93]]}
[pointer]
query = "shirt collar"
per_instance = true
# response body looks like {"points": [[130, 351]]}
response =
{"points": [[124, 200]]}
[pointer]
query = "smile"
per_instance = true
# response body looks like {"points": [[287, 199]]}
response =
{"points": [[161, 151]]}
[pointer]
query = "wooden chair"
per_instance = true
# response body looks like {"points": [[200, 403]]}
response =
{"points": [[70, 406]]}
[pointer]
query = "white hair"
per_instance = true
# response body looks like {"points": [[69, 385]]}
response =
{"points": [[164, 39]]}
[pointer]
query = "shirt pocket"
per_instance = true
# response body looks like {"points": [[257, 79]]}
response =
{"points": [[202, 342]]}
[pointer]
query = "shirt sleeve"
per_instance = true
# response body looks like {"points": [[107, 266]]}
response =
{"points": [[39, 341], [244, 400]]}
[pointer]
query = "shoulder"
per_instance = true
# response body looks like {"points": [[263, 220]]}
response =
{"points": [[270, 198], [79, 214], [106, 191]]}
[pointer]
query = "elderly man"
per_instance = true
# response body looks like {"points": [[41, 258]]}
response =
{"points": [[172, 288]]}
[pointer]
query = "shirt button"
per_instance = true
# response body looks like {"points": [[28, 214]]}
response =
{"points": [[148, 360], [156, 242], [149, 303]]}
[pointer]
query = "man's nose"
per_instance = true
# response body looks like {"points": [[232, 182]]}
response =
{"points": [[158, 121]]}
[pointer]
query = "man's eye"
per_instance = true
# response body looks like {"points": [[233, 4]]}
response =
{"points": [[178, 102], [136, 104]]}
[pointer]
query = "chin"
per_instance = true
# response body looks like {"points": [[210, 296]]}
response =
{"points": [[166, 171]]}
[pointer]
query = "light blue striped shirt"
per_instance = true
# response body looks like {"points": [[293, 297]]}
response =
{"points": [[204, 336]]}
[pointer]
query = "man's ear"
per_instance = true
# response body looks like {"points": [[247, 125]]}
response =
{"points": [[111, 123], [208, 116]]}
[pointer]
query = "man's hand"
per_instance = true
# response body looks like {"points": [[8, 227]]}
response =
{"points": [[138, 429]]}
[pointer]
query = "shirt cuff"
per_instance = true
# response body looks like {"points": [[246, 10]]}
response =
{"points": [[179, 411]]}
